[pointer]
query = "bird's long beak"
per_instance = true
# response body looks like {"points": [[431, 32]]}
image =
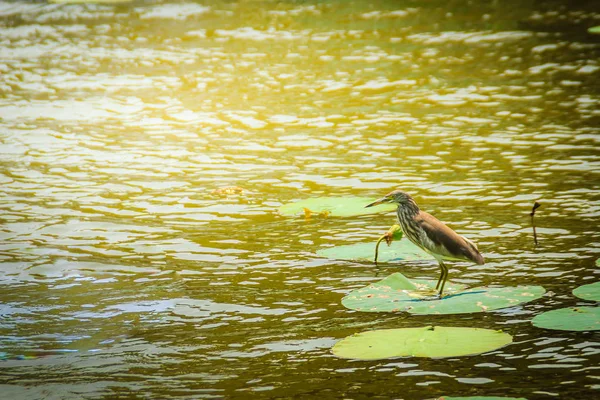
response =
{"points": [[378, 202]]}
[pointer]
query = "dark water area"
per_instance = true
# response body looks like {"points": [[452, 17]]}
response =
{"points": [[123, 274]]}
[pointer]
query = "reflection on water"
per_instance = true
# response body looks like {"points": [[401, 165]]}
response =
{"points": [[122, 270]]}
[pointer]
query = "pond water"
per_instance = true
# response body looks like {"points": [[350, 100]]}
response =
{"points": [[123, 272]]}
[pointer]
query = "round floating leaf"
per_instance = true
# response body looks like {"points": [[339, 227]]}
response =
{"points": [[398, 293], [89, 1], [394, 293], [427, 341], [481, 398], [394, 233], [570, 319], [335, 206], [397, 251], [595, 30], [588, 292]]}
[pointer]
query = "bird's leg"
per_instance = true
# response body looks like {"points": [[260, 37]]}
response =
{"points": [[437, 286], [443, 278]]}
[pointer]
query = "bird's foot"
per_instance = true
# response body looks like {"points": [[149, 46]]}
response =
{"points": [[430, 297]]}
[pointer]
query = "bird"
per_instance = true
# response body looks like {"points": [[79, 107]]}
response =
{"points": [[431, 234]]}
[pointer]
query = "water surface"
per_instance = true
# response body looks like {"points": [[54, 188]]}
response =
{"points": [[123, 272]]}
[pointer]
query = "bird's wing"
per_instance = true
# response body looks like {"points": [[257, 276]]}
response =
{"points": [[445, 242]]}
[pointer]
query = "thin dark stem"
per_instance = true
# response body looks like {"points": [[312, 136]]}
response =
{"points": [[536, 205], [382, 238]]}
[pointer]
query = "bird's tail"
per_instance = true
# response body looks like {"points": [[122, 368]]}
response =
{"points": [[479, 258], [475, 254]]}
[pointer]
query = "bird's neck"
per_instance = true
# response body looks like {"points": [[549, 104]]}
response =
{"points": [[407, 211]]}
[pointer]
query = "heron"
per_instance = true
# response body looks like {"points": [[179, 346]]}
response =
{"points": [[431, 234]]}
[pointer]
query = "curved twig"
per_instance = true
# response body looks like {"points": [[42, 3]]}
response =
{"points": [[381, 239], [536, 205]]}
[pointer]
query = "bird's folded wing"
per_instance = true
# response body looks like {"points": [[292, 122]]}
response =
{"points": [[445, 242]]}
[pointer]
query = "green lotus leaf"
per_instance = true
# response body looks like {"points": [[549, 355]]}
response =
{"points": [[481, 398], [89, 1], [594, 30], [426, 341], [397, 251], [588, 292], [335, 206], [569, 319], [395, 232], [397, 293]]}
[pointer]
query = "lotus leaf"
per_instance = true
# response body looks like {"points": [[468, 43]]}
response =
{"points": [[398, 293], [397, 251], [334, 206], [89, 1], [481, 398], [426, 341], [588, 292], [394, 233], [569, 319]]}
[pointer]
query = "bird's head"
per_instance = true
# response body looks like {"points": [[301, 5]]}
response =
{"points": [[397, 197]]}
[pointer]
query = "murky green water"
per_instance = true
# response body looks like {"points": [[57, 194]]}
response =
{"points": [[122, 273]]}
